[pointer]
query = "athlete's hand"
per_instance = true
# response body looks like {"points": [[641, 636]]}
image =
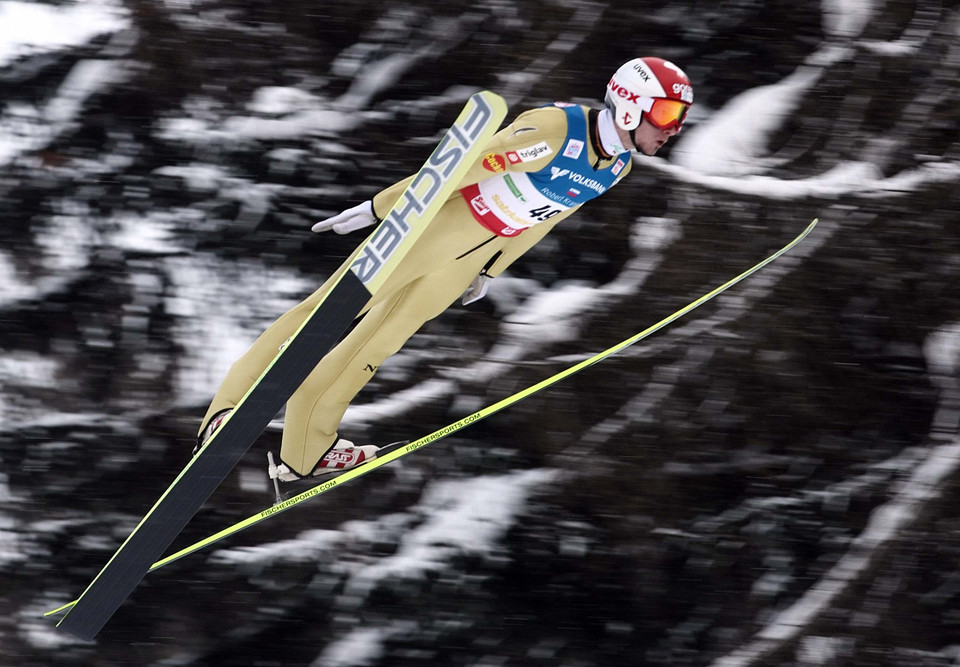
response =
{"points": [[477, 290], [351, 220]]}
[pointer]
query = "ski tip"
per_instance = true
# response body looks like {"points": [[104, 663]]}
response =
{"points": [[54, 612], [490, 95], [808, 229]]}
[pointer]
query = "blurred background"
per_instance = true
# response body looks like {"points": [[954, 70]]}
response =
{"points": [[770, 481]]}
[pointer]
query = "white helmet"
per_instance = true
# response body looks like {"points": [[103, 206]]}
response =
{"points": [[640, 85]]}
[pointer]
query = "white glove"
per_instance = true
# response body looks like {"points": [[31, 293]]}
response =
{"points": [[351, 220], [477, 290]]}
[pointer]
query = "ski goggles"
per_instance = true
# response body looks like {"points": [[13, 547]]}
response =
{"points": [[667, 114]]}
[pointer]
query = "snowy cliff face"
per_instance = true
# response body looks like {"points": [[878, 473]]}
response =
{"points": [[770, 481]]}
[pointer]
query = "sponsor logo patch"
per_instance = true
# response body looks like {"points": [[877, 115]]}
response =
{"points": [[479, 205], [641, 72], [339, 457], [495, 163], [574, 149], [685, 91], [579, 179], [618, 167], [564, 105], [622, 92], [529, 153]]}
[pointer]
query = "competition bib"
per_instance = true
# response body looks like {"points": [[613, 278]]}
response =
{"points": [[509, 202]]}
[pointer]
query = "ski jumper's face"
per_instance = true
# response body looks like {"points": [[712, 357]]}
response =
{"points": [[649, 138]]}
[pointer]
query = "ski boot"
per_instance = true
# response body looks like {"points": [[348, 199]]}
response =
{"points": [[208, 432], [343, 456]]}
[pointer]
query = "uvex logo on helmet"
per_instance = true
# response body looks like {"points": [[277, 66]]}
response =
{"points": [[641, 71], [638, 85], [620, 91]]}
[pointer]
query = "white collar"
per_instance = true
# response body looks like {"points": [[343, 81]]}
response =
{"points": [[609, 137]]}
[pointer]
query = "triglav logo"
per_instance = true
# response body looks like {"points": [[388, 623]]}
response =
{"points": [[529, 153]]}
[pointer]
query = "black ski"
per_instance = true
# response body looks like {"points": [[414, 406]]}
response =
{"points": [[433, 184]]}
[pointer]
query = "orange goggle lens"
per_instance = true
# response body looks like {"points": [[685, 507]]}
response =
{"points": [[666, 114]]}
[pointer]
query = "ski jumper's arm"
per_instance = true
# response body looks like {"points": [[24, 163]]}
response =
{"points": [[546, 124], [515, 148]]}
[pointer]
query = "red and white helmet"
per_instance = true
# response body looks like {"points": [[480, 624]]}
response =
{"points": [[651, 88]]}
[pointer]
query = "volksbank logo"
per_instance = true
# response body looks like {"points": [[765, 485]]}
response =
{"points": [[579, 179], [426, 187]]}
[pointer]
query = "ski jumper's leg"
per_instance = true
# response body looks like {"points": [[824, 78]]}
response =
{"points": [[437, 270], [247, 369], [454, 233], [315, 410]]}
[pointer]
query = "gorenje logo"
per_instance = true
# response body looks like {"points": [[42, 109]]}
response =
{"points": [[685, 91]]}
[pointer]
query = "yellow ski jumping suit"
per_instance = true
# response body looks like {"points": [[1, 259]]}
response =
{"points": [[492, 219]]}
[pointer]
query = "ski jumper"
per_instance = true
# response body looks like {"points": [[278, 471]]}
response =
{"points": [[533, 174]]}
